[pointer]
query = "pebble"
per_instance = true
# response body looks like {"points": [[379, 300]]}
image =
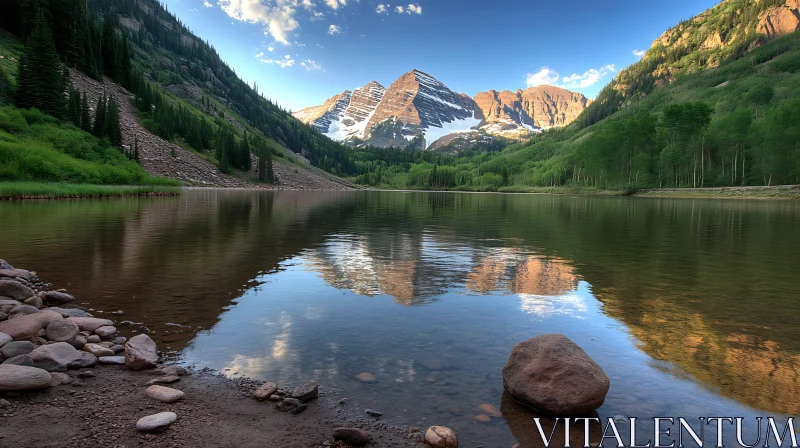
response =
{"points": [[156, 422], [374, 413], [164, 394], [481, 418], [94, 339], [490, 411], [58, 378], [441, 437], [365, 377]]}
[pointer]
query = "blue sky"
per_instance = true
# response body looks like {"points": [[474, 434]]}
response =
{"points": [[301, 52]]}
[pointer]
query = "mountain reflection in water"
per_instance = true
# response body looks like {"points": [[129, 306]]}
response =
{"points": [[689, 305]]}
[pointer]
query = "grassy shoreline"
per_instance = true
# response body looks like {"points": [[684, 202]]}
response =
{"points": [[763, 192], [52, 190]]}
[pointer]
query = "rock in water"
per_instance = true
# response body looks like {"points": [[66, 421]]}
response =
{"points": [[552, 374], [156, 422], [90, 323], [306, 392], [140, 352], [19, 378], [62, 331], [59, 298], [441, 437], [164, 394], [266, 389], [351, 436], [292, 405], [490, 410], [14, 290], [365, 377], [55, 357]]}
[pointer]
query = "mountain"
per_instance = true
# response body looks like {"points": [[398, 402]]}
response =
{"points": [[418, 110], [721, 34]]}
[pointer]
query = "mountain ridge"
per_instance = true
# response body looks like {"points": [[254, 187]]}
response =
{"points": [[417, 111]]}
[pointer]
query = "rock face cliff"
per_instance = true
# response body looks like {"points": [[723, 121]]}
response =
{"points": [[507, 113], [418, 111]]}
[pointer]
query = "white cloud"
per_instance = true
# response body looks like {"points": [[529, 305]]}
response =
{"points": [[278, 17], [382, 9], [545, 76], [415, 9], [335, 4], [260, 55], [399, 9], [207, 4], [588, 78], [270, 48], [287, 61], [311, 65], [333, 29], [639, 53], [316, 15]]}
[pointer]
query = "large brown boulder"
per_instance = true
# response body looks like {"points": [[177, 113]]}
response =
{"points": [[552, 374]]}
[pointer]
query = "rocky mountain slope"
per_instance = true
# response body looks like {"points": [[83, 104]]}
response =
{"points": [[418, 110]]}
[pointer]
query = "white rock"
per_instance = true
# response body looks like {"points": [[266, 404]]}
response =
{"points": [[140, 352], [156, 422], [112, 360], [98, 350], [164, 394], [19, 378]]}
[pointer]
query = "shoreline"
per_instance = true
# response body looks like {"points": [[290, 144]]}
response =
{"points": [[97, 404], [18, 191]]}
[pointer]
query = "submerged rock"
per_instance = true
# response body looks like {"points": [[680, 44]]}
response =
{"points": [[365, 377], [21, 378], [552, 374]]}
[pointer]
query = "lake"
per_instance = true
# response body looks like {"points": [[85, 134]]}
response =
{"points": [[690, 306]]}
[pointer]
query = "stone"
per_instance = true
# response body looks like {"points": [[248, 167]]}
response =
{"points": [[156, 422], [78, 342], [117, 349], [372, 413], [171, 370], [291, 405], [55, 357], [552, 374], [20, 360], [14, 290], [17, 348], [22, 310], [21, 273], [98, 350], [69, 312], [106, 331], [90, 324], [62, 331], [522, 422], [34, 301], [264, 392], [58, 378], [365, 377], [5, 339], [28, 326], [351, 436], [3, 316], [21, 378], [490, 410], [482, 418], [112, 360], [169, 379], [105, 344], [87, 374], [140, 352], [59, 298], [85, 361], [4, 264], [275, 398], [94, 339], [441, 437], [306, 392], [164, 394]]}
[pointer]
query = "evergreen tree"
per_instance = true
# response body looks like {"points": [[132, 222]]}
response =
{"points": [[125, 65], [74, 107], [270, 174], [40, 81], [245, 162], [100, 117], [112, 128], [136, 149], [86, 120], [5, 87]]}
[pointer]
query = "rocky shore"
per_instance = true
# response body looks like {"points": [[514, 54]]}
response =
{"points": [[69, 379]]}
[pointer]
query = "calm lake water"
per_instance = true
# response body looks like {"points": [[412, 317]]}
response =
{"points": [[690, 306]]}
